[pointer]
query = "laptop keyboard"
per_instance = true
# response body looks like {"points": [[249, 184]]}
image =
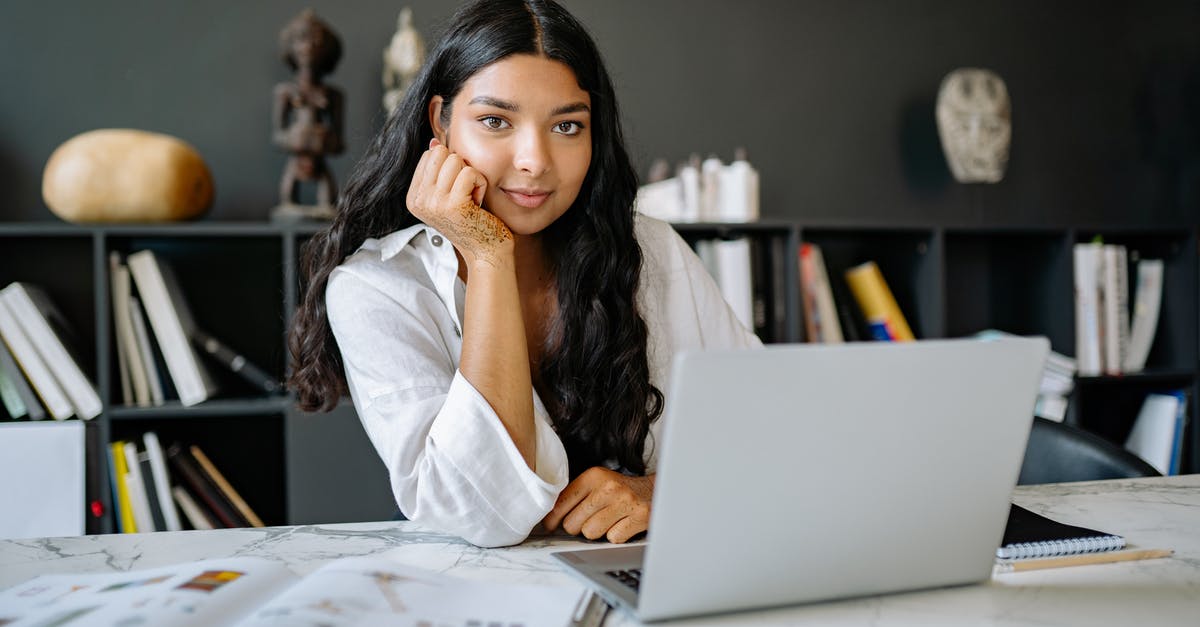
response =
{"points": [[631, 577]]}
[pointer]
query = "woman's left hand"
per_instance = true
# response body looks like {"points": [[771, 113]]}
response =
{"points": [[603, 503]]}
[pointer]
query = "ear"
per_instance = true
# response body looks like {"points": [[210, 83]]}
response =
{"points": [[435, 118]]}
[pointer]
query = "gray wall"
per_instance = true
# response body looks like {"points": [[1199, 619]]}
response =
{"points": [[833, 100]]}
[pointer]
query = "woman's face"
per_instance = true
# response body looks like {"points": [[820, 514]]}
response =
{"points": [[525, 124]]}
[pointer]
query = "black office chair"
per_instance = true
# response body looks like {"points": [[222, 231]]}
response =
{"points": [[1059, 452]]}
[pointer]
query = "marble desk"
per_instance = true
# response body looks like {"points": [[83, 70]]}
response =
{"points": [[1151, 513]]}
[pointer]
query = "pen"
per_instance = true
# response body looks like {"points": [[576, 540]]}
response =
{"points": [[1008, 566]]}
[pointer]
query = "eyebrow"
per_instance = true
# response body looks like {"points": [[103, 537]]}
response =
{"points": [[575, 107]]}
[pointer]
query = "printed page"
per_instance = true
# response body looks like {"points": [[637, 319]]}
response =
{"points": [[211, 592], [379, 591]]}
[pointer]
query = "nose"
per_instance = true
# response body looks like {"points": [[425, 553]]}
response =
{"points": [[531, 154]]}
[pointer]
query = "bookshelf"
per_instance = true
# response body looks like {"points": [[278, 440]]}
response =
{"points": [[241, 284], [241, 281]]}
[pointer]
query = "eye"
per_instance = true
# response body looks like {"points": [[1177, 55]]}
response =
{"points": [[493, 122], [568, 128]]}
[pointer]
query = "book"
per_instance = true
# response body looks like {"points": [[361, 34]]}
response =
{"points": [[172, 322], [50, 334], [877, 303], [18, 399], [1146, 303], [1114, 319], [127, 341], [116, 302], [162, 481], [735, 277], [205, 493], [820, 313], [254, 591], [123, 506], [217, 479], [136, 485], [34, 368], [1088, 268], [234, 361], [1029, 535], [146, 352], [1157, 433], [191, 511], [151, 492]]}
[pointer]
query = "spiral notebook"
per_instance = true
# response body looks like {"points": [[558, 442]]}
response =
{"points": [[1031, 535]]}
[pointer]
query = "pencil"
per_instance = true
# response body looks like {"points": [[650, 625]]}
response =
{"points": [[1086, 558]]}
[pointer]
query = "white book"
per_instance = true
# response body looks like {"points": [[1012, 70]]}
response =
{"points": [[116, 302], [1146, 303], [735, 278], [172, 323], [1088, 259], [1153, 435], [137, 490], [831, 328], [122, 290], [146, 351], [162, 481], [191, 510], [36, 371], [1115, 316], [46, 328]]}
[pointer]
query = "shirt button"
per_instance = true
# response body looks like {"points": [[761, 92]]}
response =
{"points": [[436, 240]]}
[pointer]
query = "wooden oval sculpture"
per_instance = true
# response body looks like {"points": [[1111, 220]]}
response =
{"points": [[125, 175]]}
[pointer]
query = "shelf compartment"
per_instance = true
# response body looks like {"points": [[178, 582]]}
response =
{"points": [[234, 289], [1019, 282], [1176, 340], [248, 450], [909, 260]]}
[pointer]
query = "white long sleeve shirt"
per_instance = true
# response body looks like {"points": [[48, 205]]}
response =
{"points": [[396, 310]]}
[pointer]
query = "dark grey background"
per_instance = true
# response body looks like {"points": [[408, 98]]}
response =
{"points": [[833, 100]]}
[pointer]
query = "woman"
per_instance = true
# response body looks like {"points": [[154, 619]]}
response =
{"points": [[501, 320]]}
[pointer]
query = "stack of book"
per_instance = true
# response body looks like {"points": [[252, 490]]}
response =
{"points": [[151, 487], [1058, 380], [161, 360], [1106, 342], [40, 372]]}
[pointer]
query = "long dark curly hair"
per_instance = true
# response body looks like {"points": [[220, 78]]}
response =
{"points": [[595, 375]]}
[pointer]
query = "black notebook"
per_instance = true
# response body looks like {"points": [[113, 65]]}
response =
{"points": [[1029, 534]]}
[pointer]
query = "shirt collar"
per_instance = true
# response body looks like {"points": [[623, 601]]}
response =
{"points": [[393, 243], [439, 261]]}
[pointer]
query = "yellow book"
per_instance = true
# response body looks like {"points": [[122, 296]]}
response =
{"points": [[124, 505], [877, 303]]}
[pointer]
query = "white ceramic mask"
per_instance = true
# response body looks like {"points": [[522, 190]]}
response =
{"points": [[974, 118]]}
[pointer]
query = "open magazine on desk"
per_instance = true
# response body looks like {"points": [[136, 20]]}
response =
{"points": [[257, 592]]}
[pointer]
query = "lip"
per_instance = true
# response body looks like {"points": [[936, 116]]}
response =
{"points": [[526, 197]]}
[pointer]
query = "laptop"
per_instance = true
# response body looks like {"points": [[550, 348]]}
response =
{"points": [[802, 473]]}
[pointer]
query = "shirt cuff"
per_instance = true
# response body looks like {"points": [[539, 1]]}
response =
{"points": [[469, 433]]}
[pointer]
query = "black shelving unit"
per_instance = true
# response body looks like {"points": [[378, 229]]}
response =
{"points": [[242, 283]]}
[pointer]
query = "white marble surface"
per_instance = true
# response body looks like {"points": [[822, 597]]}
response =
{"points": [[1151, 513]]}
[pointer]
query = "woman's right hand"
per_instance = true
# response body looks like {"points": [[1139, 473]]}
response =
{"points": [[446, 193]]}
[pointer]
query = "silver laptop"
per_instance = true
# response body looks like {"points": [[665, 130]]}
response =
{"points": [[805, 473]]}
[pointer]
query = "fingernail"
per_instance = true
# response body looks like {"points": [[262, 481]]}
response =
{"points": [[433, 142]]}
